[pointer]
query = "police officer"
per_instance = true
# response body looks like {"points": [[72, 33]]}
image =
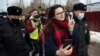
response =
{"points": [[81, 36], [14, 40]]}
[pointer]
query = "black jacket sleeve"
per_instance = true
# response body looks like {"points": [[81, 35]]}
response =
{"points": [[88, 37], [2, 44]]}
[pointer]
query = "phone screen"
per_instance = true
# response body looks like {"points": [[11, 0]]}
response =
{"points": [[67, 42], [71, 15]]}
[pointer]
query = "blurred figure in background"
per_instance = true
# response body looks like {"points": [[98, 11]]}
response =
{"points": [[43, 17], [3, 16], [33, 25]]}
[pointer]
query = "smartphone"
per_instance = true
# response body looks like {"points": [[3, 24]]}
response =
{"points": [[67, 42], [71, 15]]}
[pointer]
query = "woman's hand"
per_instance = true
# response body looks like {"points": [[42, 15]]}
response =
{"points": [[71, 23], [64, 51]]}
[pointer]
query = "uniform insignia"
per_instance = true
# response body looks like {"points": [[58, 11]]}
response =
{"points": [[86, 24], [85, 31], [23, 32]]}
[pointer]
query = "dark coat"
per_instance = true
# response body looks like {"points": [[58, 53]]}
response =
{"points": [[13, 40], [81, 37], [2, 20], [50, 43]]}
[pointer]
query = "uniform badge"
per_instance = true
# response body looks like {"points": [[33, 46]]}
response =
{"points": [[23, 32]]}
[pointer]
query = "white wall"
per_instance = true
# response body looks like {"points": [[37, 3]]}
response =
{"points": [[95, 7]]}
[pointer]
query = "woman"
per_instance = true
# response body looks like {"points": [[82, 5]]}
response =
{"points": [[56, 31]]}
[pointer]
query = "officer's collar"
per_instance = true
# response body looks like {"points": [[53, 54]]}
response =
{"points": [[77, 20]]}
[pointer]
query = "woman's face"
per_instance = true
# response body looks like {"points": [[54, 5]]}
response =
{"points": [[59, 14]]}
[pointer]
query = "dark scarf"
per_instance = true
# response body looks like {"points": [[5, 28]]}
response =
{"points": [[14, 22], [60, 31]]}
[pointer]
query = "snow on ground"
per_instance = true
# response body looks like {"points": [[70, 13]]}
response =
{"points": [[95, 37]]}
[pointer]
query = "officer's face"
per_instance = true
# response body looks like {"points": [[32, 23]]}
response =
{"points": [[14, 17], [78, 11]]}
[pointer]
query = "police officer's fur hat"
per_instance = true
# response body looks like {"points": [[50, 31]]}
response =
{"points": [[80, 6], [14, 10]]}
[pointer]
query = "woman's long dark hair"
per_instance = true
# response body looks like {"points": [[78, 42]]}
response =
{"points": [[51, 14]]}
